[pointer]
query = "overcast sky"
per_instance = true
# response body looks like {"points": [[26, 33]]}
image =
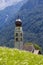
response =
{"points": [[6, 3]]}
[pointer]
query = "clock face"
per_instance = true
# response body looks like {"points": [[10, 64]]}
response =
{"points": [[18, 28]]}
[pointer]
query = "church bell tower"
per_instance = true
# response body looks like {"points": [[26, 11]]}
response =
{"points": [[18, 34]]}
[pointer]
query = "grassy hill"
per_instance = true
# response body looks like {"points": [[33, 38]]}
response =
{"points": [[10, 56]]}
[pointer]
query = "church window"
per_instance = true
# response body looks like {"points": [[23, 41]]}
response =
{"points": [[16, 39], [16, 34]]}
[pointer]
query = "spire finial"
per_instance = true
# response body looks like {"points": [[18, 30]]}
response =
{"points": [[18, 17]]}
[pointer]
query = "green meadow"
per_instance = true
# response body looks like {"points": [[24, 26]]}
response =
{"points": [[13, 56]]}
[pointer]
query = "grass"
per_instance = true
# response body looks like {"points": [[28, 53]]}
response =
{"points": [[10, 56]]}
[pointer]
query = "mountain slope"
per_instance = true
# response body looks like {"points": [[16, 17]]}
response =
{"points": [[6, 3], [10, 56]]}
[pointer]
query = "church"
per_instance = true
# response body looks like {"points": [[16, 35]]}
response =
{"points": [[19, 44]]}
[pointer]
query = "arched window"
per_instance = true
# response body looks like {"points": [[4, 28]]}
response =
{"points": [[16, 39], [16, 34]]}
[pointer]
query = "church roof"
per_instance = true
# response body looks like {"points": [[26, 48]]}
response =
{"points": [[18, 20], [29, 48]]}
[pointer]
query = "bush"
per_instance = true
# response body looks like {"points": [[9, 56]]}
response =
{"points": [[37, 47]]}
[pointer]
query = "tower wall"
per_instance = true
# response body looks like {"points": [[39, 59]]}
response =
{"points": [[18, 38]]}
